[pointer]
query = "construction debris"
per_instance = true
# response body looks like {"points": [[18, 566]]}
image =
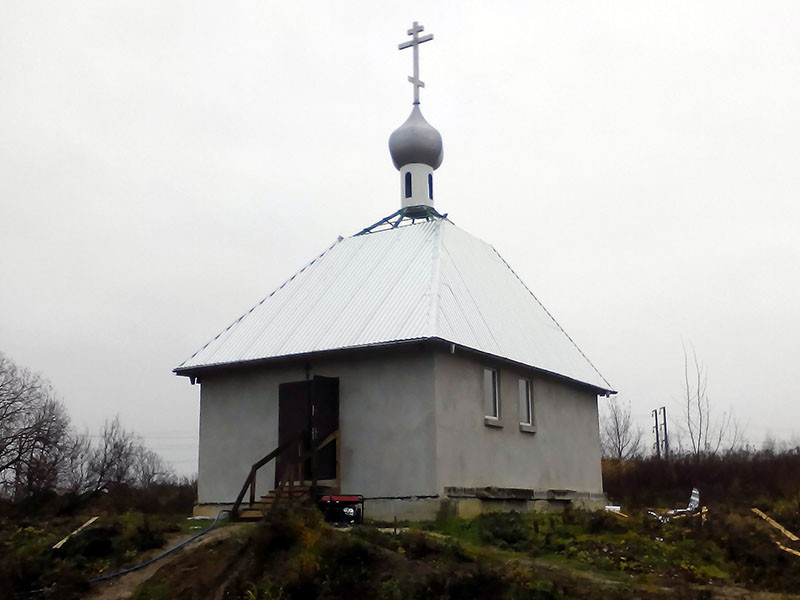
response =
{"points": [[616, 510], [78, 530], [691, 510], [776, 525], [694, 504], [789, 550], [780, 528]]}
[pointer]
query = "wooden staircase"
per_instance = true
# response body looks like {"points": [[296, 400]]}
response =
{"points": [[257, 511], [290, 486]]}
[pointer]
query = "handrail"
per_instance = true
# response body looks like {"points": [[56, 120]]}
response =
{"points": [[251, 478], [311, 454], [288, 468]]}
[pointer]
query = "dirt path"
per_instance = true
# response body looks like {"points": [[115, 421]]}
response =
{"points": [[122, 588]]}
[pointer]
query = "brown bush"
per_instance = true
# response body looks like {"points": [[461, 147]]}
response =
{"points": [[740, 479]]}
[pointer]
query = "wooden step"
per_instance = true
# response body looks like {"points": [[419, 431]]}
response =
{"points": [[296, 490], [248, 514], [284, 493], [258, 510], [265, 503]]}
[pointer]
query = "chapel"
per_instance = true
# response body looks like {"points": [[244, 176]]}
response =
{"points": [[407, 364]]}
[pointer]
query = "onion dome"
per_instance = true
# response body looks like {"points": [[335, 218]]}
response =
{"points": [[416, 141]]}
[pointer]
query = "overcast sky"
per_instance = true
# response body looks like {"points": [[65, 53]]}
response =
{"points": [[164, 165]]}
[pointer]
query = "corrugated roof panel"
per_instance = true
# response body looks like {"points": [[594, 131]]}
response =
{"points": [[363, 307], [363, 290], [429, 279], [518, 326]]}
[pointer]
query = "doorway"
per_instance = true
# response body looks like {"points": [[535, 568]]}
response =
{"points": [[311, 409]]}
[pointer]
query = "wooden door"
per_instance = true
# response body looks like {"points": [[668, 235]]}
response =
{"points": [[294, 417], [324, 421]]}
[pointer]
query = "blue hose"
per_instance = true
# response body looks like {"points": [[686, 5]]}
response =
{"points": [[147, 562]]}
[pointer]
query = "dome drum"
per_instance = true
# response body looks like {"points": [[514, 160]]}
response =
{"points": [[416, 185]]}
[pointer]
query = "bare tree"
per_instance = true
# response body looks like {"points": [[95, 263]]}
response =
{"points": [[39, 450], [619, 436], [20, 392], [705, 432], [76, 476], [149, 468], [112, 462], [34, 431]]}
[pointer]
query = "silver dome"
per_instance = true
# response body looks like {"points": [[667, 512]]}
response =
{"points": [[416, 141]]}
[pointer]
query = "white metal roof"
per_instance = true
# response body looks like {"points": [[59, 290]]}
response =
{"points": [[427, 280]]}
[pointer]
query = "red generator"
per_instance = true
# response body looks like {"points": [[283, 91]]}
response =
{"points": [[342, 510]]}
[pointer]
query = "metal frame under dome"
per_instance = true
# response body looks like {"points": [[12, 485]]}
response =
{"points": [[397, 218]]}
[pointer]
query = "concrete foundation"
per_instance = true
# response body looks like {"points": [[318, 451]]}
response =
{"points": [[465, 504]]}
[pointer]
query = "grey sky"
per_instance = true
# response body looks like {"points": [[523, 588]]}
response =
{"points": [[164, 165]]}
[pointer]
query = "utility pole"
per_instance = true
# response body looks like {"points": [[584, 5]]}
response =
{"points": [[656, 430], [664, 425]]}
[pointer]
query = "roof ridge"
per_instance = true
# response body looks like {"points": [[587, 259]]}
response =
{"points": [[339, 240], [435, 285], [586, 358], [469, 293]]}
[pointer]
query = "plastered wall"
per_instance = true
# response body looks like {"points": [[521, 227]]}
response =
{"points": [[563, 453], [386, 416], [412, 423]]}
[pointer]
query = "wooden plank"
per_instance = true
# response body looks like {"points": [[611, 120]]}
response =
{"points": [[776, 525], [78, 530], [789, 550], [338, 460]]}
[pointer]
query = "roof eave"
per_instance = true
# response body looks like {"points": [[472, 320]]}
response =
{"points": [[194, 371], [599, 389]]}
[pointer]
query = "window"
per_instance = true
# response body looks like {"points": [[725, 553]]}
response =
{"points": [[408, 184], [491, 397], [526, 418], [430, 186]]}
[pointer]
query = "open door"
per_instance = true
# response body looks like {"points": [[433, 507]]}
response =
{"points": [[294, 417], [310, 408], [324, 421]]}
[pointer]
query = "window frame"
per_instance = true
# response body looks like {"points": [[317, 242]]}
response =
{"points": [[526, 405], [492, 420]]}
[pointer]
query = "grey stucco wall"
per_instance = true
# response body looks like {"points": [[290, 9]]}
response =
{"points": [[386, 417], [563, 453]]}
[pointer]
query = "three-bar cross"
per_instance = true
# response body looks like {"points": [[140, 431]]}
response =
{"points": [[416, 29]]}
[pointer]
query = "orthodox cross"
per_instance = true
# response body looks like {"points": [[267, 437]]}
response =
{"points": [[416, 29]]}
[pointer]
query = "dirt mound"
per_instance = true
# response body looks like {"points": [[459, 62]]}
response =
{"points": [[294, 555]]}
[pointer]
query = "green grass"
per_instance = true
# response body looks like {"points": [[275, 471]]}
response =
{"points": [[111, 542], [597, 541], [502, 556]]}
